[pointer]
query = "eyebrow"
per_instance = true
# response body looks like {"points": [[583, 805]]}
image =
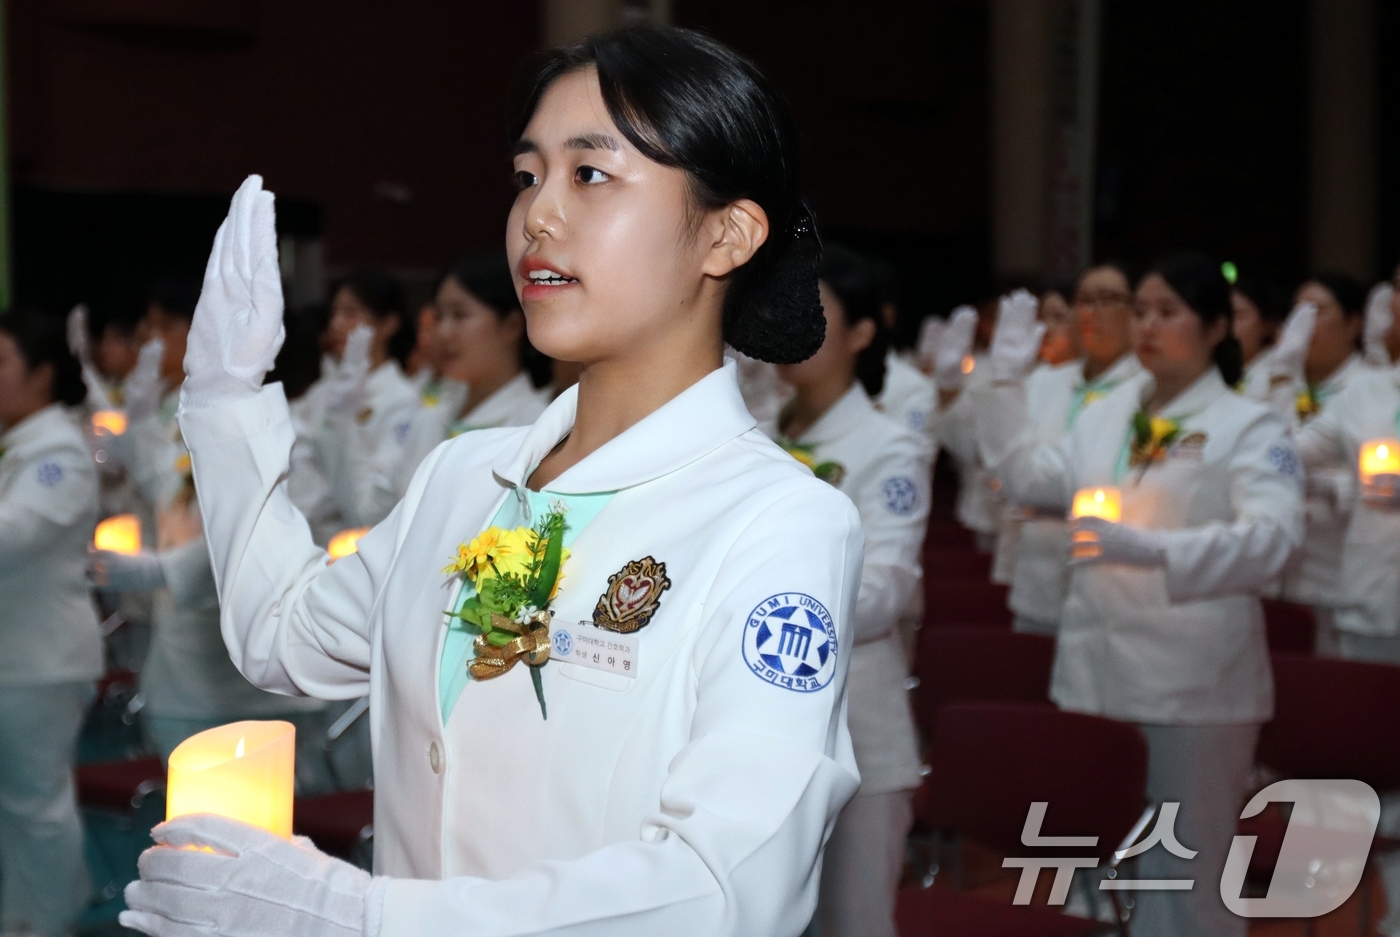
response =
{"points": [[587, 141]]}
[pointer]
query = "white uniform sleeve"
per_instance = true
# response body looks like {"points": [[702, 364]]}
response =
{"points": [[293, 625], [50, 494], [1322, 441], [149, 453], [1031, 472], [735, 843], [893, 511], [363, 484], [188, 576], [952, 428], [1241, 556]]}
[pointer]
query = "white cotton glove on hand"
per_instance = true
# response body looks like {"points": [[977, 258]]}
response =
{"points": [[1378, 321], [1095, 540], [254, 884], [345, 389], [78, 345], [954, 345], [1289, 352], [930, 337], [118, 572], [1016, 342], [237, 328], [144, 386]]}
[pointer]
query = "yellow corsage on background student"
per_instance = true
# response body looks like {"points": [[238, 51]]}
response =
{"points": [[828, 471], [1152, 437]]}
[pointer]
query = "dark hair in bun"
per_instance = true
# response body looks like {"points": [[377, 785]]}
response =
{"points": [[684, 100], [42, 340]]}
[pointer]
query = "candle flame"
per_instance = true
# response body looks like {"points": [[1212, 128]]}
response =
{"points": [[968, 363], [238, 749], [1383, 452]]}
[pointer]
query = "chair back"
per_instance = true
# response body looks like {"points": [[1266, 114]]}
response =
{"points": [[979, 664]]}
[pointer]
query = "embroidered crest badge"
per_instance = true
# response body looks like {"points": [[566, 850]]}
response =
{"points": [[632, 597]]}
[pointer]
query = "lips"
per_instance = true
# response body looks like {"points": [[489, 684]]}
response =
{"points": [[543, 278]]}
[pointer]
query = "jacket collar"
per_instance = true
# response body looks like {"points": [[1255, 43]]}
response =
{"points": [[1125, 367], [690, 425], [843, 416], [34, 428], [1206, 390], [502, 404], [1339, 378]]}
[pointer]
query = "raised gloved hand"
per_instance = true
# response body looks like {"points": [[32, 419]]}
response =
{"points": [[119, 572], [253, 884], [1016, 342], [78, 345], [1378, 321], [954, 346], [1289, 352], [237, 327], [930, 337], [345, 389], [144, 385], [1095, 540]]}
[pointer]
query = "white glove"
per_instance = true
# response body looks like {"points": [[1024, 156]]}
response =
{"points": [[1016, 342], [144, 385], [953, 347], [345, 389], [118, 572], [1378, 319], [254, 884], [237, 328], [1095, 540], [78, 345], [1289, 352], [930, 336], [1337, 488]]}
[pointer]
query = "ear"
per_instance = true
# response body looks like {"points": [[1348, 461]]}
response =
{"points": [[860, 335], [735, 233], [1217, 331]]}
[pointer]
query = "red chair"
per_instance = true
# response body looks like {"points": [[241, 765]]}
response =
{"points": [[119, 785], [989, 762], [979, 664], [1332, 719], [965, 603], [1291, 628]]}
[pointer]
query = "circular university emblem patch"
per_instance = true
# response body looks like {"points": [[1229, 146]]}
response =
{"points": [[901, 495], [790, 641]]}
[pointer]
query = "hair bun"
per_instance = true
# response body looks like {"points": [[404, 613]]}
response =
{"points": [[773, 311]]}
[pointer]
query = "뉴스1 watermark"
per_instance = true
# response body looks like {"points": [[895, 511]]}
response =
{"points": [[1321, 862]]}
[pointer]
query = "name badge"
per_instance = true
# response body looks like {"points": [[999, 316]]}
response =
{"points": [[587, 646]]}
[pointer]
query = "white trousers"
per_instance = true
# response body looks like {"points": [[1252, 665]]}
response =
{"points": [[862, 866], [1206, 769], [44, 884]]}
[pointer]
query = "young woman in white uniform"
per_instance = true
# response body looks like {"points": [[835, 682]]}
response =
{"points": [[884, 468], [493, 378], [50, 647], [1333, 361], [687, 785], [1038, 541], [1259, 309], [1163, 625]]}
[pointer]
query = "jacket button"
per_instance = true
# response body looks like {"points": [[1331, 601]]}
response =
{"points": [[435, 758]]}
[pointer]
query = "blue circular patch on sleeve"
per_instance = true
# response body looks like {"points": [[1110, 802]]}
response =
{"points": [[917, 420], [790, 642], [901, 495], [50, 474], [1285, 460]]}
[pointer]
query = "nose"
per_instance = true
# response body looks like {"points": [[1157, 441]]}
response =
{"points": [[544, 215]]}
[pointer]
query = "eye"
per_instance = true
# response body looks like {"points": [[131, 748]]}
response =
{"points": [[523, 180], [588, 175]]}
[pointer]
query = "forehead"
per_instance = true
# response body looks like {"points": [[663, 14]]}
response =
{"points": [[571, 108], [1315, 292]]}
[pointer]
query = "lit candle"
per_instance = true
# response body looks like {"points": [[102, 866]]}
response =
{"points": [[1379, 468], [243, 770], [111, 422], [120, 534], [1093, 502], [345, 542]]}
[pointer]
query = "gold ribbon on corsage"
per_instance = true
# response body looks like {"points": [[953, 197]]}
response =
{"points": [[531, 645]]}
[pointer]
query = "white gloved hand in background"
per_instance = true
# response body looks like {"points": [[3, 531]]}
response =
{"points": [[1017, 339], [1095, 540], [237, 328], [144, 386], [1291, 350], [930, 336], [1378, 321], [119, 572], [254, 884], [78, 345], [345, 389], [954, 345]]}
